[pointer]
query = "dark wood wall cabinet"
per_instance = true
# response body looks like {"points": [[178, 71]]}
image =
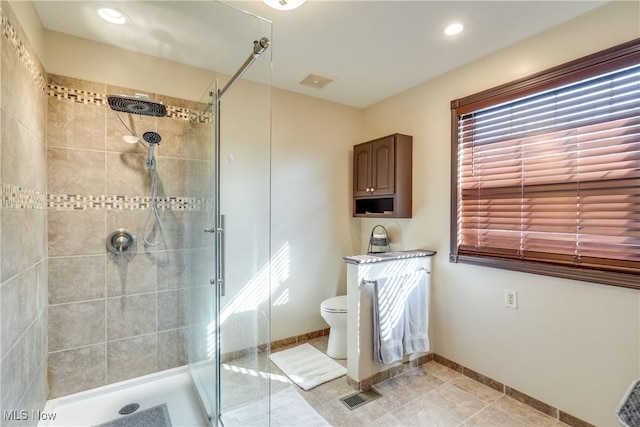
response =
{"points": [[382, 177]]}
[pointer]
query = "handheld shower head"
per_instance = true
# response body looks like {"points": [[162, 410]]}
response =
{"points": [[259, 46], [151, 137]]}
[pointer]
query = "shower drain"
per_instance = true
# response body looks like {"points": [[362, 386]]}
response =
{"points": [[356, 400], [129, 409]]}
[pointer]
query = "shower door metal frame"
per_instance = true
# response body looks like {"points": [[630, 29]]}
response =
{"points": [[259, 46]]}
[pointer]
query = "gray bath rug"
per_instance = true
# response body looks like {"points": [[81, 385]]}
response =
{"points": [[158, 416]]}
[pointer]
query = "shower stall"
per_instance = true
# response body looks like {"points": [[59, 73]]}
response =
{"points": [[153, 212], [228, 294]]}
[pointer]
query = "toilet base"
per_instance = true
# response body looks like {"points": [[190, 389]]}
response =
{"points": [[337, 346]]}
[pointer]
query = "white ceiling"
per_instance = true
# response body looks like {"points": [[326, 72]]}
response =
{"points": [[374, 49]]}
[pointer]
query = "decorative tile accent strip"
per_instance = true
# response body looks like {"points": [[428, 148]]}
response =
{"points": [[85, 97], [77, 202], [14, 197], [29, 61], [76, 95]]}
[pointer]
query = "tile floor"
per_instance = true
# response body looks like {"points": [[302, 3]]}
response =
{"points": [[430, 395]]}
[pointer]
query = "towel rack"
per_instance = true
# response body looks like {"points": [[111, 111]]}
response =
{"points": [[372, 281]]}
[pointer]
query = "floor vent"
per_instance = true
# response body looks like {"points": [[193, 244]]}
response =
{"points": [[356, 400]]}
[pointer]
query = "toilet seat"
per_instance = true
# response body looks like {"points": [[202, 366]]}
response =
{"points": [[335, 304]]}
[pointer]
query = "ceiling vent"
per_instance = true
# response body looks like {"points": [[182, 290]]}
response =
{"points": [[316, 81]]}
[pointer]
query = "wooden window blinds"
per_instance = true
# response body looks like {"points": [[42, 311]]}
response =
{"points": [[547, 172]]}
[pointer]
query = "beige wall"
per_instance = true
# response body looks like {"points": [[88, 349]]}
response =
{"points": [[311, 207], [573, 345], [88, 60]]}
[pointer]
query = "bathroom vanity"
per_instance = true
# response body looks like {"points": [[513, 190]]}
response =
{"points": [[362, 371]]}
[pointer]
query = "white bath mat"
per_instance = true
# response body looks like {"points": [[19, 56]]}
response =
{"points": [[285, 409], [307, 366]]}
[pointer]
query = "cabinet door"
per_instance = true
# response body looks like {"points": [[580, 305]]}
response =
{"points": [[382, 167], [361, 170]]}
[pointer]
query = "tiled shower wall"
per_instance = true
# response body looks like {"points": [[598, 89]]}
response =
{"points": [[23, 241], [115, 317]]}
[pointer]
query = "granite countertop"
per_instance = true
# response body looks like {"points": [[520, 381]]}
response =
{"points": [[387, 256]]}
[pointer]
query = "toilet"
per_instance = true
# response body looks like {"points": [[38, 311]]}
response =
{"points": [[334, 312]]}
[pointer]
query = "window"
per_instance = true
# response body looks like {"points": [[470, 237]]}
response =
{"points": [[546, 172]]}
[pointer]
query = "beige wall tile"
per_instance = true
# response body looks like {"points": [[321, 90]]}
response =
{"points": [[79, 172], [18, 241], [76, 232], [131, 274], [172, 306], [10, 309], [29, 288], [19, 149], [76, 324], [199, 143], [174, 269], [79, 84], [76, 278], [76, 125], [12, 378], [127, 175], [76, 370], [174, 133], [172, 348], [171, 177], [130, 316], [131, 357]]}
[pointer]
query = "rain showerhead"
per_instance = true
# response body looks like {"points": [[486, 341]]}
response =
{"points": [[151, 137], [136, 105]]}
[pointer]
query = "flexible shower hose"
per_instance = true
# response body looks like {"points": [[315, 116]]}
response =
{"points": [[153, 210]]}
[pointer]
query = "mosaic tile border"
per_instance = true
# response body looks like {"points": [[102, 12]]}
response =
{"points": [[76, 202], [30, 62], [15, 197], [85, 97]]}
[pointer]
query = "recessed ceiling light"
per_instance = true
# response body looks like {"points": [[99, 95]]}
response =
{"points": [[112, 15], [284, 4], [454, 29]]}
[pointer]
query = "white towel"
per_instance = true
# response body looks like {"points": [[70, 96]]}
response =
{"points": [[416, 312], [400, 316], [388, 319]]}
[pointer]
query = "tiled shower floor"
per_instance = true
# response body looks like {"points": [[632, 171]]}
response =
{"points": [[430, 395]]}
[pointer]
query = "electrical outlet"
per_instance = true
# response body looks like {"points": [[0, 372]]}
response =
{"points": [[511, 299]]}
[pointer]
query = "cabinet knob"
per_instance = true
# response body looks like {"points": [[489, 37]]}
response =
{"points": [[367, 189], [373, 189]]}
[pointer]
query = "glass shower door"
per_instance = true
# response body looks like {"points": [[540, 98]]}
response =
{"points": [[228, 321]]}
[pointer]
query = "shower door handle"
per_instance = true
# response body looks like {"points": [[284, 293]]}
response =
{"points": [[222, 252]]}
